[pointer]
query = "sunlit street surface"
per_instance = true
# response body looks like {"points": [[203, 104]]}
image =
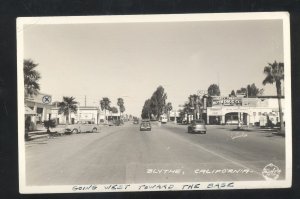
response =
{"points": [[167, 153]]}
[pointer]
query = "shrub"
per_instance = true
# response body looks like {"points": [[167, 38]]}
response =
{"points": [[49, 124]]}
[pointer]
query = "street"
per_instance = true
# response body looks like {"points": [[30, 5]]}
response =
{"points": [[167, 153]]}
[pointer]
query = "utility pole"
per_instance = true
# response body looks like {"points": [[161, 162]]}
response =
{"points": [[85, 101]]}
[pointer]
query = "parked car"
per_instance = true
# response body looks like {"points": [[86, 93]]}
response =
{"points": [[197, 126], [232, 122], [81, 127], [145, 126]]}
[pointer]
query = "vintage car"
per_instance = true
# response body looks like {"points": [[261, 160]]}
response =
{"points": [[136, 121], [145, 126], [232, 122], [197, 126], [82, 126]]}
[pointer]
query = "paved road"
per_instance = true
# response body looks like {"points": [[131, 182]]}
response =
{"points": [[165, 154]]}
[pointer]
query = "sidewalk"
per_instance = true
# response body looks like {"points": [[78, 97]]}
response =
{"points": [[38, 134], [41, 132]]}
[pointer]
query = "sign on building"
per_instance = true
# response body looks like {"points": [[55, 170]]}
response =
{"points": [[226, 101]]}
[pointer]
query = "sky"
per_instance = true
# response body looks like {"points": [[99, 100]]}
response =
{"points": [[130, 60]]}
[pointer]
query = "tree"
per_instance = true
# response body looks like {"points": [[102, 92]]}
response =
{"points": [[102, 105], [242, 91], [114, 109], [31, 78], [120, 103], [275, 73], [158, 101], [260, 92], [155, 106], [187, 110], [195, 104], [67, 106], [249, 91], [232, 94], [146, 111], [252, 90], [105, 105], [50, 123], [213, 90], [168, 108]]}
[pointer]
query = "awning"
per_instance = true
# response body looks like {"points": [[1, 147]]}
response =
{"points": [[29, 111]]}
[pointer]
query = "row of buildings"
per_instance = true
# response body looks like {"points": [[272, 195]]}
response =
{"points": [[221, 110], [250, 111], [40, 108]]}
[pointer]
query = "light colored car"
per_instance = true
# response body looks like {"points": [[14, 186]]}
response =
{"points": [[232, 122], [81, 127], [163, 119], [197, 126]]}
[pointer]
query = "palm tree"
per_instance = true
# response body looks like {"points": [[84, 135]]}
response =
{"points": [[187, 109], [168, 109], [31, 77], [195, 103], [67, 106], [275, 73], [120, 103], [102, 105], [105, 104]]}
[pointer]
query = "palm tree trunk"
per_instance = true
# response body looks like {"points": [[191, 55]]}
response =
{"points": [[278, 88], [68, 119]]}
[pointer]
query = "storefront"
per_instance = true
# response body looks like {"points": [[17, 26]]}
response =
{"points": [[40, 105], [88, 114], [248, 111]]}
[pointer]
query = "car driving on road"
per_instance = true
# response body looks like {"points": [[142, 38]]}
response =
{"points": [[136, 121], [197, 126], [145, 126], [82, 126]]}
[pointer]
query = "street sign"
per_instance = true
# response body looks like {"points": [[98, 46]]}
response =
{"points": [[46, 99]]}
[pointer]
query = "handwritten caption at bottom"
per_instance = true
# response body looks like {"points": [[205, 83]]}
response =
{"points": [[152, 187]]}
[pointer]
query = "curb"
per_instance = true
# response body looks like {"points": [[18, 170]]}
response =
{"points": [[35, 137]]}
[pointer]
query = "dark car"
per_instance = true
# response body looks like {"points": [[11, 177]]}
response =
{"points": [[145, 126], [197, 126], [118, 122]]}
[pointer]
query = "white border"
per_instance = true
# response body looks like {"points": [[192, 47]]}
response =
{"points": [[156, 18]]}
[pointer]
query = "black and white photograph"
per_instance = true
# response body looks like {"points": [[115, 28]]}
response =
{"points": [[158, 102]]}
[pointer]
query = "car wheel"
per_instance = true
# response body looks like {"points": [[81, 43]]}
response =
{"points": [[75, 131], [94, 130]]}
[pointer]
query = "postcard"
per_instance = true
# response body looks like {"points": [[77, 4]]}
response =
{"points": [[165, 102]]}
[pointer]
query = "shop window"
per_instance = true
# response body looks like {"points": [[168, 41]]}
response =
{"points": [[259, 113]]}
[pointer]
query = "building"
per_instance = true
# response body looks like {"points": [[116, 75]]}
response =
{"points": [[89, 114], [38, 107], [248, 110], [174, 114]]}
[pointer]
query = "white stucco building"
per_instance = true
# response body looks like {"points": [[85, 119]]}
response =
{"points": [[249, 110], [38, 107]]}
